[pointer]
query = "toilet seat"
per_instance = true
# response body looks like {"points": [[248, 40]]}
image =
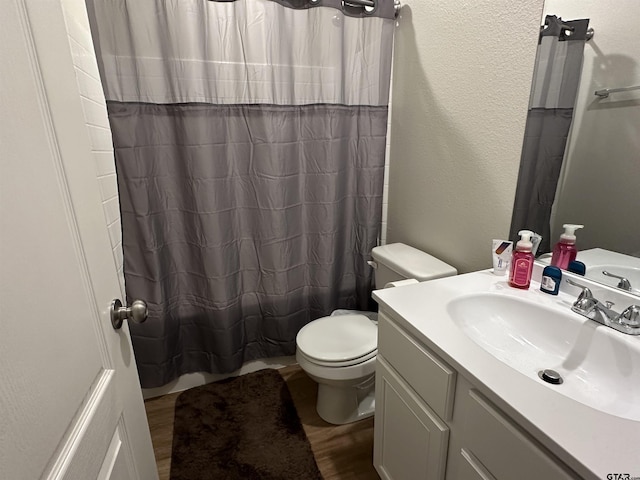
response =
{"points": [[346, 363], [338, 341]]}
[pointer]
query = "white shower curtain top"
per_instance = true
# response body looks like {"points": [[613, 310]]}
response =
{"points": [[243, 52]]}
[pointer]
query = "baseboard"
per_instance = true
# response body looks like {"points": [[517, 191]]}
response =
{"points": [[191, 380]]}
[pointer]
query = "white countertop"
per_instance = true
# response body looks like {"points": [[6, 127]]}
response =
{"points": [[590, 441]]}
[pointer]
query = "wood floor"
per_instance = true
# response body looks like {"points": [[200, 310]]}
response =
{"points": [[343, 452]]}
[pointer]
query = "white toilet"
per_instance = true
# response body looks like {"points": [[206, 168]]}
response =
{"points": [[339, 351]]}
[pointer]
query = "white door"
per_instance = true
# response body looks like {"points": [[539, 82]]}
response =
{"points": [[70, 401]]}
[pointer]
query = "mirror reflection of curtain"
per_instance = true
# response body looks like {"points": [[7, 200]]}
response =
{"points": [[556, 79], [249, 139]]}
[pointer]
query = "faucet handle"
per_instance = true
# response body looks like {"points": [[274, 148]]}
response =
{"points": [[630, 316], [623, 283], [584, 288], [585, 301]]}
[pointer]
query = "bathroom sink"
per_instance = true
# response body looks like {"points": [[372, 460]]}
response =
{"points": [[600, 367]]}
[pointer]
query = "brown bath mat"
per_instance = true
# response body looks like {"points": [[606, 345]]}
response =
{"points": [[245, 427]]}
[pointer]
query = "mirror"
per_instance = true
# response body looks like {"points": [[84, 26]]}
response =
{"points": [[599, 184], [609, 268]]}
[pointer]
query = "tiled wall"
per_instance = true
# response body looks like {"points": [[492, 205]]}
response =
{"points": [[96, 119], [387, 156]]}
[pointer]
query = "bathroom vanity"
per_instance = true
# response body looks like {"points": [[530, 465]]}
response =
{"points": [[458, 394]]}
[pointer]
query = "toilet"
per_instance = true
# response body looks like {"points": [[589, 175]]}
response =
{"points": [[339, 351]]}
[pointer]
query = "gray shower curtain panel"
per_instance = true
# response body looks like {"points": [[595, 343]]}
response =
{"points": [[249, 139], [556, 79]]}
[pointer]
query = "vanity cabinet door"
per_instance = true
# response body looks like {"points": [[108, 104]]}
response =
{"points": [[492, 442], [410, 440]]}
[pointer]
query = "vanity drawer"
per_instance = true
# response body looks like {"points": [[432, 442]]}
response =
{"points": [[432, 379], [501, 448]]}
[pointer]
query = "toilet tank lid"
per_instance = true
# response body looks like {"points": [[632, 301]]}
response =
{"points": [[411, 262]]}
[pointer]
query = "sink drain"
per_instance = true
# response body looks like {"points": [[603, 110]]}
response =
{"points": [[550, 376]]}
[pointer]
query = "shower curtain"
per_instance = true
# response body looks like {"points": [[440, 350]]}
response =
{"points": [[556, 79], [249, 138]]}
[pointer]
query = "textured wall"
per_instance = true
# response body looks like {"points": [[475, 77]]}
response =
{"points": [[600, 184], [97, 121], [462, 75]]}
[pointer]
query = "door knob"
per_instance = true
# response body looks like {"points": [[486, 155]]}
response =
{"points": [[137, 312]]}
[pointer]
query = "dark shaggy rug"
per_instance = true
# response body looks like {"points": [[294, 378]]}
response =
{"points": [[245, 427]]}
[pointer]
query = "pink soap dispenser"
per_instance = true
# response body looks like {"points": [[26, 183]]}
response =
{"points": [[522, 261], [565, 250]]}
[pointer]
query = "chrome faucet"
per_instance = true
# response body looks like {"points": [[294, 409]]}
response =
{"points": [[624, 283], [590, 307]]}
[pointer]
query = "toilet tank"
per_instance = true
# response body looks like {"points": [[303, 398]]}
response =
{"points": [[397, 261]]}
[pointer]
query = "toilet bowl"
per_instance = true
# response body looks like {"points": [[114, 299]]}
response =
{"points": [[339, 352]]}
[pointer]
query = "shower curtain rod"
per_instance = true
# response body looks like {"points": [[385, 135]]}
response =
{"points": [[604, 93], [366, 3], [371, 3], [590, 30]]}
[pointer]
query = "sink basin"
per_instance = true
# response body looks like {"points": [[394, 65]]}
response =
{"points": [[600, 367]]}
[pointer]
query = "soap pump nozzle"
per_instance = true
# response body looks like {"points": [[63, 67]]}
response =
{"points": [[525, 244], [570, 232]]}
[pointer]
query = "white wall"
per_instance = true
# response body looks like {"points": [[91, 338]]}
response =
{"points": [[600, 182], [462, 75], [97, 122]]}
